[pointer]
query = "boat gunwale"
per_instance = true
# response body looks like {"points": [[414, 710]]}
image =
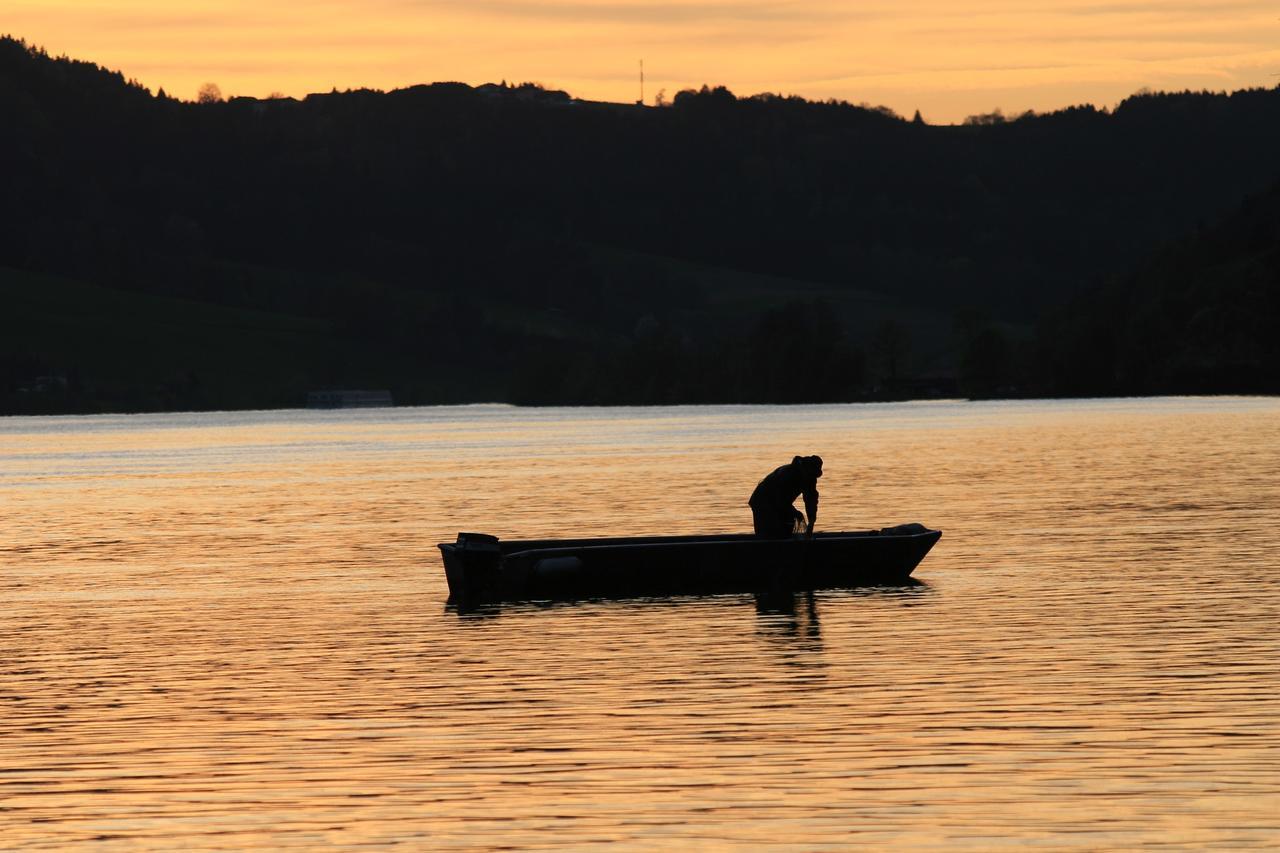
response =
{"points": [[514, 547]]}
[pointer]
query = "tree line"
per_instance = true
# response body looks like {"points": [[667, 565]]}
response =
{"points": [[539, 248]]}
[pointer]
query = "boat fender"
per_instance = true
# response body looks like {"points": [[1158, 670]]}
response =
{"points": [[557, 567]]}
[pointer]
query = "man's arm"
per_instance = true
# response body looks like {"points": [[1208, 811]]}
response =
{"points": [[811, 506]]}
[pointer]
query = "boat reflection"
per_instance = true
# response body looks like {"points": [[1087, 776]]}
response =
{"points": [[775, 602], [790, 616]]}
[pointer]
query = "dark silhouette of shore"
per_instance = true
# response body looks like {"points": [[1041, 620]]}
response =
{"points": [[451, 243]]}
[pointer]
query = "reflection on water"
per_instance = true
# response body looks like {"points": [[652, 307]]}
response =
{"points": [[786, 616], [229, 630], [771, 601]]}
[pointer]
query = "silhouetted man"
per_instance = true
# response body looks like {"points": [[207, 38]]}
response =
{"points": [[772, 507]]}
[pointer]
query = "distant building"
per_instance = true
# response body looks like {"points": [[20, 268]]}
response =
{"points": [[46, 384], [348, 399], [917, 388]]}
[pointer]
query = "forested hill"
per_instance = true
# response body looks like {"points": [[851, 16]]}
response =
{"points": [[1201, 316], [456, 243]]}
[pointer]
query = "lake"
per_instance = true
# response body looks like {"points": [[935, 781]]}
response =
{"points": [[230, 630]]}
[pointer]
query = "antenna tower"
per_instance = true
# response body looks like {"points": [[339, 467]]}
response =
{"points": [[641, 101]]}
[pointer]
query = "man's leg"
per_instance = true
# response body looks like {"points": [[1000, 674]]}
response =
{"points": [[771, 525]]}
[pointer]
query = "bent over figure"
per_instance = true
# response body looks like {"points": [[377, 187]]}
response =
{"points": [[772, 503]]}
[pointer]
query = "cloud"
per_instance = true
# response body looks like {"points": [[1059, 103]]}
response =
{"points": [[1197, 8], [656, 13]]}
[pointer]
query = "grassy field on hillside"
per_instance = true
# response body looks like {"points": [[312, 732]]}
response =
{"points": [[118, 348]]}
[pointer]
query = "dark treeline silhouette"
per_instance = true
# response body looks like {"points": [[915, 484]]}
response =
{"points": [[456, 243], [1201, 316]]}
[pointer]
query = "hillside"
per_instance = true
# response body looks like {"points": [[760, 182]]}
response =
{"points": [[1201, 316], [456, 243]]}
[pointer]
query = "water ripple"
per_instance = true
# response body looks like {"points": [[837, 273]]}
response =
{"points": [[229, 630]]}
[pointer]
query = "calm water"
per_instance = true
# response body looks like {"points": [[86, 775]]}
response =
{"points": [[229, 630]]}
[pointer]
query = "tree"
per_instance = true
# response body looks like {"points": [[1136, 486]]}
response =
{"points": [[209, 94], [985, 364], [890, 349], [986, 119]]}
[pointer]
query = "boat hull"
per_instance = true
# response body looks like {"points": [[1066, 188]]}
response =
{"points": [[481, 568]]}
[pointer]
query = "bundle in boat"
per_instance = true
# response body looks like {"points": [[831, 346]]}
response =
{"points": [[480, 567]]}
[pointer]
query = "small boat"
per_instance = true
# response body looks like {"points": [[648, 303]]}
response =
{"points": [[482, 568]]}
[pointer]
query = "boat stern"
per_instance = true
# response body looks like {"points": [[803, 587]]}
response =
{"points": [[472, 565]]}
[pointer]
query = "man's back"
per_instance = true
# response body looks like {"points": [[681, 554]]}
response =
{"points": [[782, 486]]}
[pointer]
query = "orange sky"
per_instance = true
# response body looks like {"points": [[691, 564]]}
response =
{"points": [[949, 58]]}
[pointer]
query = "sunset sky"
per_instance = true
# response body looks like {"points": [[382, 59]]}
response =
{"points": [[948, 58]]}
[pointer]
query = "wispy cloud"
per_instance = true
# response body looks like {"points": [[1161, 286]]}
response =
{"points": [[668, 13]]}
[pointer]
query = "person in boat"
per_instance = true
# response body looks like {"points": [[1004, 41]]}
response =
{"points": [[773, 502]]}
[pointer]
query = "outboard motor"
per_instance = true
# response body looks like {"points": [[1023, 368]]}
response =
{"points": [[479, 564]]}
